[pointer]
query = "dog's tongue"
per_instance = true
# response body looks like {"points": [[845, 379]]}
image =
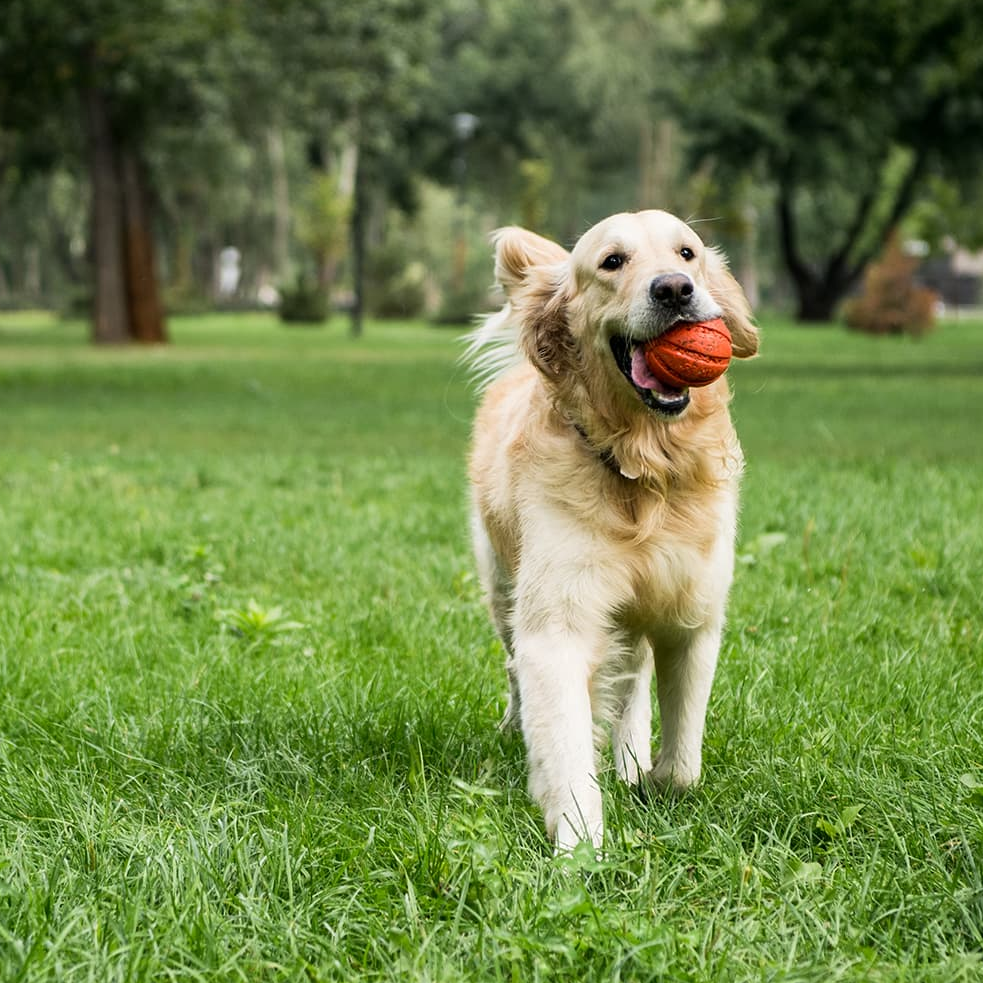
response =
{"points": [[642, 375]]}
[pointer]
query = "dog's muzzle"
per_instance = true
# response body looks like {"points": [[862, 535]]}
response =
{"points": [[656, 395]]}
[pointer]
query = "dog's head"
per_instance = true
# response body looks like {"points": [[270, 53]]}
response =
{"points": [[585, 315]]}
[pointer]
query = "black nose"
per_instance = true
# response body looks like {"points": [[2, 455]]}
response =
{"points": [[671, 290]]}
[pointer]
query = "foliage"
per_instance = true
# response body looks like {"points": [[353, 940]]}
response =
{"points": [[42, 231], [441, 255], [892, 301], [468, 294], [845, 114], [395, 281], [536, 176], [303, 303], [177, 802], [948, 212], [325, 213], [803, 141], [258, 625]]}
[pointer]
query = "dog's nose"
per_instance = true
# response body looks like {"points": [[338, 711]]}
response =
{"points": [[671, 290]]}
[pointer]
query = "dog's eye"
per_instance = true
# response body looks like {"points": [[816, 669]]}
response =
{"points": [[613, 262], [687, 253]]}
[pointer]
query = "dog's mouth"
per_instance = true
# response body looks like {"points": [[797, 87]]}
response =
{"points": [[654, 393]]}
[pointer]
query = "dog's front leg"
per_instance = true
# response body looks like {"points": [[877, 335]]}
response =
{"points": [[632, 732], [552, 665], [684, 670]]}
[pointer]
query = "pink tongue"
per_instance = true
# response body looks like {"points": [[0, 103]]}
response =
{"points": [[642, 376]]}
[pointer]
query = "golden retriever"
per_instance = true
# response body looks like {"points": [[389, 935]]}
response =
{"points": [[604, 503]]}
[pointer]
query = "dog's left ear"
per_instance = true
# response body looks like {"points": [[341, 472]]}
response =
{"points": [[728, 294]]}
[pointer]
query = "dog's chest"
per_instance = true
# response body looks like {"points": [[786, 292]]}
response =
{"points": [[670, 587], [677, 571]]}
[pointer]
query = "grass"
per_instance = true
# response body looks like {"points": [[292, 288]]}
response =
{"points": [[249, 695]]}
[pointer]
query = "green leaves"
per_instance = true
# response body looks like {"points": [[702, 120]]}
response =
{"points": [[973, 783], [838, 827], [257, 624]]}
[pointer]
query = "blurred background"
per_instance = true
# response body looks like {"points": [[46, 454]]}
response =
{"points": [[177, 156]]}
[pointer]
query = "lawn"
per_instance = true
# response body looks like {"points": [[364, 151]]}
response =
{"points": [[249, 694]]}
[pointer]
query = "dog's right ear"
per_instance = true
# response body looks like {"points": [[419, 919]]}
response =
{"points": [[534, 272], [518, 251], [545, 335]]}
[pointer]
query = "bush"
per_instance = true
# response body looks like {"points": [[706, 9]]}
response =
{"points": [[77, 304], [892, 301], [395, 282], [304, 303], [468, 290], [186, 300], [461, 304]]}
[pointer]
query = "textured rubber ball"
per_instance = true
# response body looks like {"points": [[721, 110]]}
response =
{"points": [[690, 354]]}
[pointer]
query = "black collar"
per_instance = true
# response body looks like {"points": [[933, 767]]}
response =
{"points": [[605, 457]]}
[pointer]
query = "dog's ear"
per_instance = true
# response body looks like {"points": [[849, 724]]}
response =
{"points": [[545, 335], [518, 251], [728, 294], [534, 272]]}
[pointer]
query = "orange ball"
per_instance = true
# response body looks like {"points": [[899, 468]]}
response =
{"points": [[690, 355]]}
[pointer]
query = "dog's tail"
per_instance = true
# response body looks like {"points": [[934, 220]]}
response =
{"points": [[492, 347]]}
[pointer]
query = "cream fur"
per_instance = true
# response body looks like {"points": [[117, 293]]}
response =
{"points": [[597, 580]]}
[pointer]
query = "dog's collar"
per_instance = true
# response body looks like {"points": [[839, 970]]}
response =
{"points": [[604, 456]]}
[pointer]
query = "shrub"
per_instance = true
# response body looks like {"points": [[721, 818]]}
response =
{"points": [[467, 290], [304, 303], [77, 304], [395, 282], [892, 301], [185, 300]]}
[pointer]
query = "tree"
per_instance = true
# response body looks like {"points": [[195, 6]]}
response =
{"points": [[529, 110], [109, 80], [350, 77], [950, 211], [845, 111]]}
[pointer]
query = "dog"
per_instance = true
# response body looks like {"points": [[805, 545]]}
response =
{"points": [[604, 504]]}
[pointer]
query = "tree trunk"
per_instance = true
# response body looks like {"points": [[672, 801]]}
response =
{"points": [[281, 205], [182, 260], [820, 288], [747, 273], [33, 286], [327, 269], [818, 292], [146, 315], [820, 295], [816, 304], [655, 163], [110, 322], [358, 249]]}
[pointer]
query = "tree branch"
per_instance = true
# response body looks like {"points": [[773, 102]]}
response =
{"points": [[903, 201], [788, 235], [836, 266]]}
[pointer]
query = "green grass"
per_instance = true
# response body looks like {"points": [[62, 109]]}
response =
{"points": [[249, 695]]}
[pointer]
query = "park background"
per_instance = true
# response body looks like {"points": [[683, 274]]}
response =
{"points": [[248, 692], [171, 155]]}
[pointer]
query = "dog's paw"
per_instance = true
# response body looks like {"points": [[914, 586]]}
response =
{"points": [[666, 780], [578, 838]]}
